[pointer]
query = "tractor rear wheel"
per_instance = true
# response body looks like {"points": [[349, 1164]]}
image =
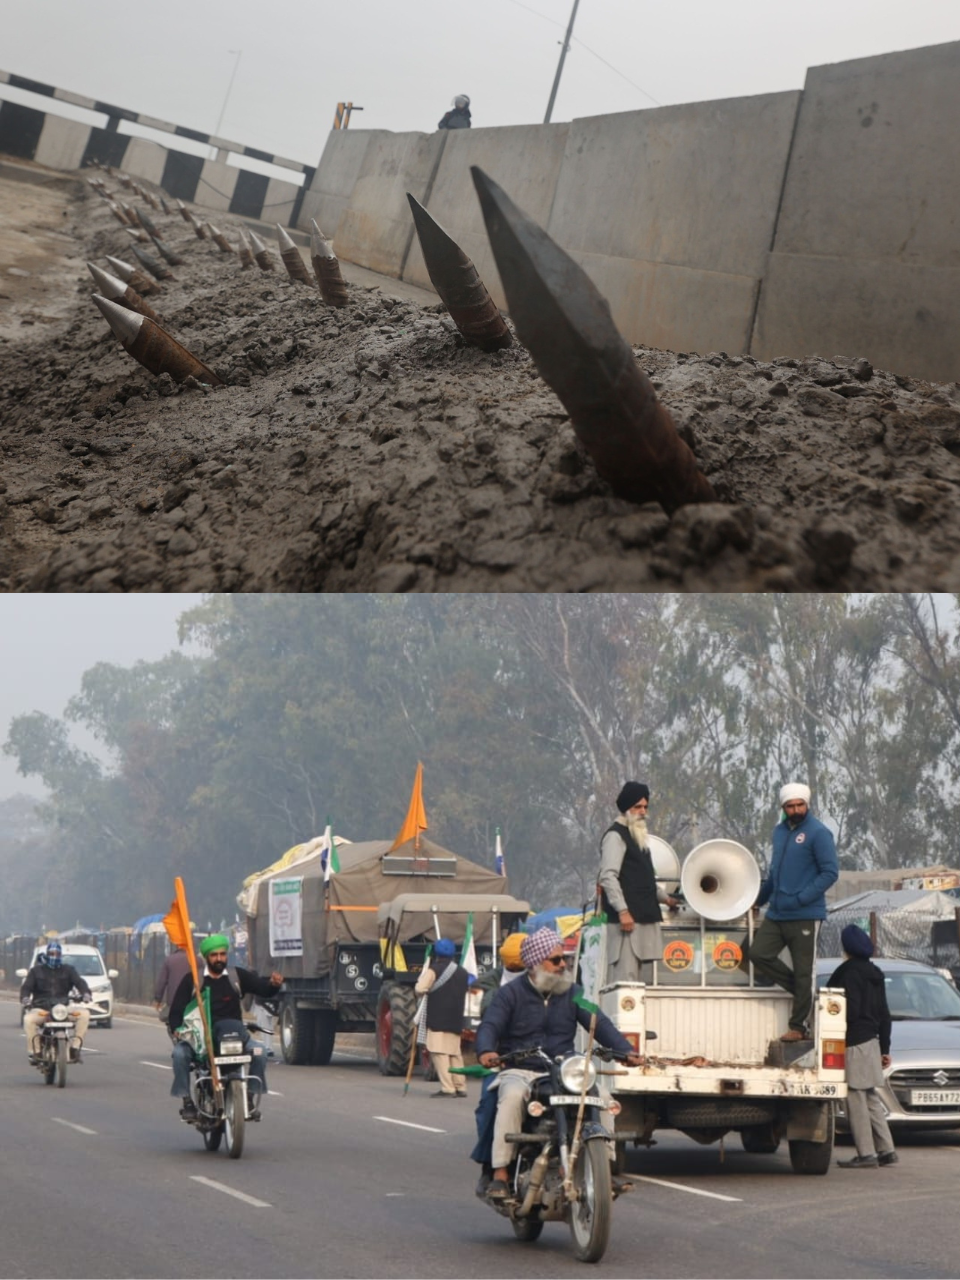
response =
{"points": [[395, 1028]]}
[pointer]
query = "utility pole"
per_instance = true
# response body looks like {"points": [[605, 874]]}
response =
{"points": [[237, 53], [563, 54]]}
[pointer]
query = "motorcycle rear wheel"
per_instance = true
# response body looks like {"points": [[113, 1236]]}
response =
{"points": [[62, 1054], [589, 1216], [234, 1115]]}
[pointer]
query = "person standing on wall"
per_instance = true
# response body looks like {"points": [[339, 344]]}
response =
{"points": [[803, 867], [459, 117]]}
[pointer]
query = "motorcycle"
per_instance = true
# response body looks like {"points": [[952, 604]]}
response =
{"points": [[56, 1032], [549, 1180], [223, 1116]]}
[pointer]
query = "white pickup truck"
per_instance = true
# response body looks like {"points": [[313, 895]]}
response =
{"points": [[717, 1063]]}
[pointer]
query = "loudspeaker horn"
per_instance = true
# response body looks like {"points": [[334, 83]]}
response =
{"points": [[720, 879], [666, 864]]}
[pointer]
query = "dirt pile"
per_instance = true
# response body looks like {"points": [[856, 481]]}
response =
{"points": [[368, 449]]}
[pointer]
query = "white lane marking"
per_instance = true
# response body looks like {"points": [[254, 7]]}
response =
{"points": [[161, 1066], [272, 1093], [229, 1191], [401, 1194], [79, 1127], [407, 1124], [678, 1186]]}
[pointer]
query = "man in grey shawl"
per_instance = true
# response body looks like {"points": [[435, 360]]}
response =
{"points": [[629, 893]]}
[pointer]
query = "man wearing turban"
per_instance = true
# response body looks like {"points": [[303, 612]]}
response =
{"points": [[629, 893], [227, 990], [803, 867]]}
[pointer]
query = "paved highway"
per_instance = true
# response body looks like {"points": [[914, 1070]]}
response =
{"points": [[346, 1176]]}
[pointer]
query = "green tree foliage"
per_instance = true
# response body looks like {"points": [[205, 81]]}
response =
{"points": [[528, 712]]}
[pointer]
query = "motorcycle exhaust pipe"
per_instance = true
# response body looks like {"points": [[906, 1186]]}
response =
{"points": [[537, 1175]]}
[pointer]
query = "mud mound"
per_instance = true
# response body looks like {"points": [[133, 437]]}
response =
{"points": [[368, 449]]}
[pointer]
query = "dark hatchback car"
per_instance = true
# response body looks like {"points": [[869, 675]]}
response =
{"points": [[922, 1088]]}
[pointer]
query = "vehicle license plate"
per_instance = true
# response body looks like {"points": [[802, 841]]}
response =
{"points": [[935, 1097], [233, 1060], [573, 1100]]}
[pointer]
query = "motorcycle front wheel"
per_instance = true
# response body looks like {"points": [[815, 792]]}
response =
{"points": [[234, 1115], [213, 1137], [590, 1213], [62, 1055]]}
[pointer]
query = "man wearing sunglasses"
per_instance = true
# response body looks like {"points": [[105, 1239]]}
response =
{"points": [[536, 1009], [227, 990]]}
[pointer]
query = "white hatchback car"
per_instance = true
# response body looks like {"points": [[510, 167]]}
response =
{"points": [[88, 962]]}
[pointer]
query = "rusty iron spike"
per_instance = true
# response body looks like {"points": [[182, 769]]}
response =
{"points": [[458, 283], [134, 277], [132, 216], [326, 267], [291, 258], [565, 322], [118, 213], [219, 239], [185, 213], [261, 253], [118, 291], [199, 227], [166, 252], [152, 346], [146, 222], [156, 269], [164, 206], [135, 233], [246, 253]]}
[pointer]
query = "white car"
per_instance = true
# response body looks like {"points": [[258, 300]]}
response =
{"points": [[88, 962]]}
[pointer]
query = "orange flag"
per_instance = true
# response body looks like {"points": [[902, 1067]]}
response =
{"points": [[416, 819], [177, 924]]}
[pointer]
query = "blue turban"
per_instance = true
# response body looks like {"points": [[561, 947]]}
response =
{"points": [[444, 947], [856, 943]]}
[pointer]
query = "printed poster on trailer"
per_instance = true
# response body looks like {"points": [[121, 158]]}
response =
{"points": [[286, 917]]}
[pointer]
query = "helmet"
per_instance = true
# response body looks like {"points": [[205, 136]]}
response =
{"points": [[54, 955], [510, 952], [461, 101]]}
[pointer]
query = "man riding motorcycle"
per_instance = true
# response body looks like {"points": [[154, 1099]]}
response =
{"points": [[226, 993], [535, 1010], [50, 982]]}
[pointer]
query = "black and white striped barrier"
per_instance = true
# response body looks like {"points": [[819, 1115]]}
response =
{"points": [[60, 143]]}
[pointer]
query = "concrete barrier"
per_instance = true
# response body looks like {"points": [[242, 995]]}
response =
{"points": [[524, 159], [335, 178], [672, 211], [867, 253], [375, 229]]}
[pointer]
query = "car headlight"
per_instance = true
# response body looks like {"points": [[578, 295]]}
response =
{"points": [[578, 1073], [60, 1012], [231, 1046]]}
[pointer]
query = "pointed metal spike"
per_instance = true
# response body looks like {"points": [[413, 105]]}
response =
{"points": [[146, 221], [458, 283], [126, 324], [283, 238], [109, 286], [291, 258], [184, 212], [326, 268], [156, 269], [256, 242], [565, 322], [167, 253], [246, 253], [316, 232], [123, 269], [140, 236]]}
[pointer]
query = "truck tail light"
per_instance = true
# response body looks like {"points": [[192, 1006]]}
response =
{"points": [[833, 1054]]}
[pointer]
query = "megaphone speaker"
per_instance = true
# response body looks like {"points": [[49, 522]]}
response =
{"points": [[720, 879]]}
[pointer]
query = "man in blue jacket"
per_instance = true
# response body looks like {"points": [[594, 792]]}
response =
{"points": [[803, 868], [535, 1010]]}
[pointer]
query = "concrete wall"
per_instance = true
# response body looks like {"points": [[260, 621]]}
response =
{"points": [[671, 213], [826, 221], [62, 143], [524, 159], [867, 253]]}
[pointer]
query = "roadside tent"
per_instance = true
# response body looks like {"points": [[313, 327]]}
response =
{"points": [[907, 922], [344, 907]]}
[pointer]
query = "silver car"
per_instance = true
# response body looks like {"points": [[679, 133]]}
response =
{"points": [[922, 1088]]}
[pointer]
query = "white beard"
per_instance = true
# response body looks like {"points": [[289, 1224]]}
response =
{"points": [[638, 829], [550, 982]]}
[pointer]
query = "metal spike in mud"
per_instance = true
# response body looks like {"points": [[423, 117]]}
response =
{"points": [[458, 283], [326, 267], [565, 323], [151, 345]]}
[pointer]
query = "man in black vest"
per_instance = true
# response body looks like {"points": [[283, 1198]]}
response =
{"points": [[629, 894], [443, 986]]}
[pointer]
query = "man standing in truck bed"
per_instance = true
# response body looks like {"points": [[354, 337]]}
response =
{"points": [[803, 868]]}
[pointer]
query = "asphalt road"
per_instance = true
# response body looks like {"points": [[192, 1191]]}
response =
{"points": [[346, 1176]]}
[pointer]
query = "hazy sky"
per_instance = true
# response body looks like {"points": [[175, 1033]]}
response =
{"points": [[403, 62], [48, 641]]}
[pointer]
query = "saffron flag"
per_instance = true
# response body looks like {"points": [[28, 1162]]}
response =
{"points": [[468, 956], [177, 924], [498, 863], [416, 819]]}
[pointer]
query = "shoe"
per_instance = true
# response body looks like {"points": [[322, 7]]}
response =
{"points": [[461, 1093], [442, 1094], [791, 1036], [620, 1183], [254, 1114], [888, 1157], [75, 1055], [33, 1058], [188, 1111], [859, 1162], [499, 1191], [483, 1184]]}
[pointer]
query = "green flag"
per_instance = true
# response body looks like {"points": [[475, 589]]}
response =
{"points": [[580, 999]]}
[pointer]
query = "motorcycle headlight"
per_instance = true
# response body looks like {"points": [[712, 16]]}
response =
{"points": [[231, 1046], [578, 1073], [60, 1012]]}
